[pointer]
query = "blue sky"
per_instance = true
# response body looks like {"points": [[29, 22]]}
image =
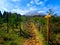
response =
{"points": [[24, 6]]}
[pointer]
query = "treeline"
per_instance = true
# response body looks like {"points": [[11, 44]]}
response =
{"points": [[15, 19], [9, 17]]}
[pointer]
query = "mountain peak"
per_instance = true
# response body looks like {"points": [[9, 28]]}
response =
{"points": [[32, 13]]}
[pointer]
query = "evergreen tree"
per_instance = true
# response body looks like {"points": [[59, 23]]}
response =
{"points": [[0, 14], [1, 21]]}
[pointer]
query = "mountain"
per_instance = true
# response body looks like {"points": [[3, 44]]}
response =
{"points": [[33, 13]]}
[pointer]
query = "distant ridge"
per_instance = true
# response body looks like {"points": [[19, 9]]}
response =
{"points": [[33, 13]]}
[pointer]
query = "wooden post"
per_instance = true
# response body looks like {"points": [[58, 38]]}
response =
{"points": [[48, 27], [48, 30]]}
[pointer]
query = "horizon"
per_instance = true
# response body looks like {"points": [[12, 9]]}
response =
{"points": [[24, 6]]}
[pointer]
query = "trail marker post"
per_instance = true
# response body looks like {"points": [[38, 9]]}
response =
{"points": [[48, 27]]}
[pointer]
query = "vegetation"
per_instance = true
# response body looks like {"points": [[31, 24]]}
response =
{"points": [[15, 28]]}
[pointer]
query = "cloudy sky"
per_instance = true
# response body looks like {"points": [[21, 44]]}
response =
{"points": [[24, 6]]}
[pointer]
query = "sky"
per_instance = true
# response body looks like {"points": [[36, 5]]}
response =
{"points": [[24, 6]]}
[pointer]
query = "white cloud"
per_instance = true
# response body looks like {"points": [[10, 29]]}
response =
{"points": [[20, 11], [5, 9], [15, 8], [37, 2], [5, 4], [2, 6], [41, 11]]}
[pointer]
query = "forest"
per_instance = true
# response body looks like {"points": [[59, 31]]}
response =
{"points": [[17, 29]]}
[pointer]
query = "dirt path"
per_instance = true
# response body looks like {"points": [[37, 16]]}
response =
{"points": [[36, 37]]}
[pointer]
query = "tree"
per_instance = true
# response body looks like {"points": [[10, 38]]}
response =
{"points": [[1, 19], [53, 15], [18, 19], [5, 15], [50, 11], [0, 14]]}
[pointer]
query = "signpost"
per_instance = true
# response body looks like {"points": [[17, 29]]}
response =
{"points": [[48, 27]]}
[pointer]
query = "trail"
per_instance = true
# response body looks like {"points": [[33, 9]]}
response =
{"points": [[37, 38]]}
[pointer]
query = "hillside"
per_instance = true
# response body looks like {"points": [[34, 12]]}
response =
{"points": [[16, 29]]}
